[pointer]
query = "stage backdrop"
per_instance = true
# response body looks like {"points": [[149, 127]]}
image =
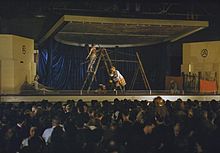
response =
{"points": [[16, 62], [63, 67], [202, 57]]}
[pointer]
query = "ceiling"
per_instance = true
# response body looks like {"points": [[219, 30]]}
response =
{"points": [[34, 18], [122, 32]]}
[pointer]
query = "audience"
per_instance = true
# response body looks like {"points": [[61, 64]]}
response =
{"points": [[110, 127], [34, 143]]}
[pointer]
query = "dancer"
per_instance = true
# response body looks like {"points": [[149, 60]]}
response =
{"points": [[92, 58], [118, 79]]}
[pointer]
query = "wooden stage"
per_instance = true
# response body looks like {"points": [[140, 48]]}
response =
{"points": [[99, 97]]}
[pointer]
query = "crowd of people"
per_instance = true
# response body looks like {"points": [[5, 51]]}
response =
{"points": [[122, 126]]}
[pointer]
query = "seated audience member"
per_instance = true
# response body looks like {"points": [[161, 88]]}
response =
{"points": [[8, 140], [34, 143], [178, 142], [48, 132], [57, 141], [123, 126]]}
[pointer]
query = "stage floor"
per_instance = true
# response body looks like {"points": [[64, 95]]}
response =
{"points": [[102, 97]]}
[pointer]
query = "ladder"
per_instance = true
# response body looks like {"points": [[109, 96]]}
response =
{"points": [[102, 56], [146, 83]]}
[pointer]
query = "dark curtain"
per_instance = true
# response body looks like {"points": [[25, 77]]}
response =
{"points": [[63, 67]]}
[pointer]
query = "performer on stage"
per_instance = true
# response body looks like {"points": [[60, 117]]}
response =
{"points": [[92, 58], [36, 83], [38, 86], [118, 79]]}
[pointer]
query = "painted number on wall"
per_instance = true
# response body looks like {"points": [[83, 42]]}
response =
{"points": [[23, 49]]}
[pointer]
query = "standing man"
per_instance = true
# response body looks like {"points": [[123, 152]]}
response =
{"points": [[118, 79], [92, 58]]}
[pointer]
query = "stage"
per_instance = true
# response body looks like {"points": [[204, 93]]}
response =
{"points": [[64, 96]]}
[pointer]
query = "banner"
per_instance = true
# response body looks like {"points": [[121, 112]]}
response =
{"points": [[208, 86]]}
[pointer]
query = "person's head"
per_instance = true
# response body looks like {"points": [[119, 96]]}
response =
{"points": [[158, 101], [91, 112], [36, 77], [182, 104], [34, 110], [64, 107], [205, 114], [125, 115], [55, 121], [68, 108], [113, 69], [190, 113], [9, 133], [92, 45], [85, 108], [33, 131], [176, 129], [80, 109], [99, 115]]}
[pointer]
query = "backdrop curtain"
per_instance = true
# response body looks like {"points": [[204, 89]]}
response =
{"points": [[60, 66], [63, 66]]}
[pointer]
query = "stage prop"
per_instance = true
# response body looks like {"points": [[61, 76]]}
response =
{"points": [[208, 86], [109, 32], [104, 57], [201, 60], [191, 83], [17, 65], [174, 84]]}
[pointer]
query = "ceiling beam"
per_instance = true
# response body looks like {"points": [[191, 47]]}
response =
{"points": [[185, 34], [112, 34], [106, 45], [134, 21]]}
